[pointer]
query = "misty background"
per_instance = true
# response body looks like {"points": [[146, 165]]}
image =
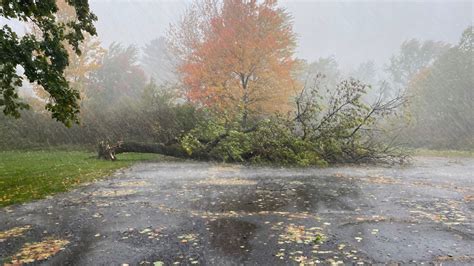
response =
{"points": [[351, 31], [130, 89]]}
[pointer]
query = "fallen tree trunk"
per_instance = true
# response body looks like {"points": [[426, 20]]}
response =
{"points": [[172, 150], [108, 152]]}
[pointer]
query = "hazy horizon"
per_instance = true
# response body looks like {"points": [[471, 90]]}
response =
{"points": [[351, 31]]}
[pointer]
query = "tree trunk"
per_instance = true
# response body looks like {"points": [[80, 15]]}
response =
{"points": [[108, 152]]}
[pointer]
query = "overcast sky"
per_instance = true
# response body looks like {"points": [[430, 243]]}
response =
{"points": [[352, 31]]}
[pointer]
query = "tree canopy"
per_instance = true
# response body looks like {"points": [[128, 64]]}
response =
{"points": [[442, 98], [237, 56], [414, 56], [158, 62], [42, 57]]}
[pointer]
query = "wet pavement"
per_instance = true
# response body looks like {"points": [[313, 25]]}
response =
{"points": [[191, 213]]}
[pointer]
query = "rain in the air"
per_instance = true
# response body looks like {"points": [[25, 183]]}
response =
{"points": [[236, 132]]}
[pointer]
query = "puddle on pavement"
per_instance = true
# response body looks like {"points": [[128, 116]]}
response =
{"points": [[231, 236], [277, 195]]}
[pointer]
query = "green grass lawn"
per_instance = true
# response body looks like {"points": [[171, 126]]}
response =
{"points": [[29, 175]]}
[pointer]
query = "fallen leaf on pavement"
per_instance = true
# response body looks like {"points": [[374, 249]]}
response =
{"points": [[32, 252], [14, 232]]}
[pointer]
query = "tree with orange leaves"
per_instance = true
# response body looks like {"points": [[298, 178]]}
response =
{"points": [[237, 56], [80, 65]]}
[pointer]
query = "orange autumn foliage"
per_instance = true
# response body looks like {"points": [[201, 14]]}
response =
{"points": [[80, 66], [237, 56]]}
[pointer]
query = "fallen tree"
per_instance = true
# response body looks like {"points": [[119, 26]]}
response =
{"points": [[340, 128], [109, 151]]}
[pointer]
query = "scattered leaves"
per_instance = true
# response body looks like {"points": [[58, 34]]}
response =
{"points": [[14, 232], [113, 193], [188, 238], [227, 182], [301, 235], [32, 252], [133, 184]]}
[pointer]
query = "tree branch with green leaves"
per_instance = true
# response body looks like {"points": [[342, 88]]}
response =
{"points": [[43, 58]]}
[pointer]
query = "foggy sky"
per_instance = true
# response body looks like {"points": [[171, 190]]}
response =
{"points": [[351, 31]]}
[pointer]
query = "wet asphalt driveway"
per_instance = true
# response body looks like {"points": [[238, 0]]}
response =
{"points": [[190, 213]]}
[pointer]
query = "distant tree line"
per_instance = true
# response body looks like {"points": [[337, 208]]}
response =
{"points": [[438, 80], [225, 85]]}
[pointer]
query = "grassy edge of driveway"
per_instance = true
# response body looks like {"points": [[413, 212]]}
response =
{"points": [[31, 175]]}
